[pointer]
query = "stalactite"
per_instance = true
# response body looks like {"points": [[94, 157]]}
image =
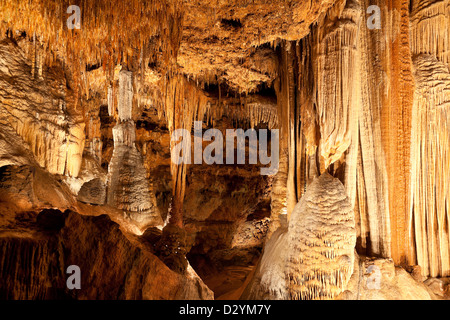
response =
{"points": [[40, 56], [396, 126], [125, 101], [372, 205], [110, 100], [255, 112], [428, 219], [93, 143], [430, 29], [104, 34], [54, 134], [335, 64], [430, 191], [33, 57], [292, 111], [282, 189], [183, 105], [308, 139]]}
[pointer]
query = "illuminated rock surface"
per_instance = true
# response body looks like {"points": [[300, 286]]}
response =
{"points": [[314, 257], [86, 118]]}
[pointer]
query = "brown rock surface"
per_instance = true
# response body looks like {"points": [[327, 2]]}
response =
{"points": [[35, 258], [380, 279]]}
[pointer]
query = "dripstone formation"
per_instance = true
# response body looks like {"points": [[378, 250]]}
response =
{"points": [[94, 94]]}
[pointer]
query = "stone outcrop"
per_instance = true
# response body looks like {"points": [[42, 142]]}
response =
{"points": [[380, 279], [35, 258], [93, 192]]}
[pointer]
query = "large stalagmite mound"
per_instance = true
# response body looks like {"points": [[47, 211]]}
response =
{"points": [[321, 241], [314, 257]]}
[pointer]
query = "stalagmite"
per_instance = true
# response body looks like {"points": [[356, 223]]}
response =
{"points": [[313, 257], [321, 242], [128, 187]]}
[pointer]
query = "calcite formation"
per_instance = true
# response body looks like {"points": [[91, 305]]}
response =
{"points": [[91, 93], [429, 190], [128, 188], [321, 242], [93, 192], [430, 194], [336, 64], [313, 257], [37, 111]]}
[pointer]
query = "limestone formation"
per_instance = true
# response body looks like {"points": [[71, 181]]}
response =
{"points": [[335, 65], [93, 192], [135, 271], [37, 111], [429, 190], [359, 91], [321, 242], [128, 188], [313, 258], [430, 193]]}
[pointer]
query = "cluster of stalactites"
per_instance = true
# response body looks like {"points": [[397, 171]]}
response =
{"points": [[429, 212], [110, 33], [335, 64], [430, 167], [181, 101], [430, 29], [245, 114], [37, 112]]}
